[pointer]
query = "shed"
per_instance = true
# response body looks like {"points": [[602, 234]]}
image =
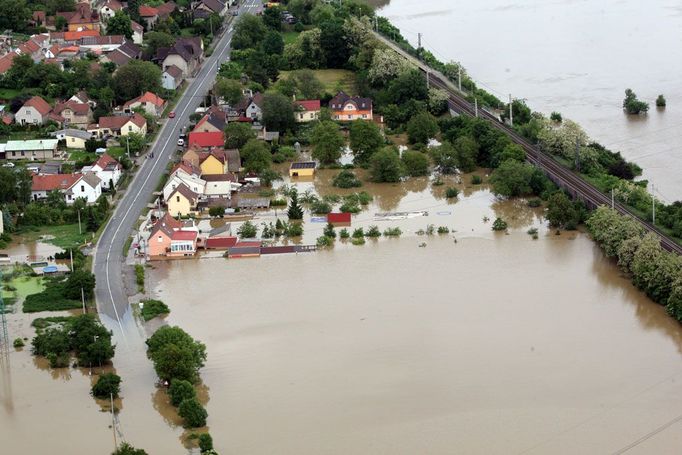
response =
{"points": [[302, 169], [338, 218]]}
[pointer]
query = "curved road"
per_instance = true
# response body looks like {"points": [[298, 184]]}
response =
{"points": [[110, 294]]}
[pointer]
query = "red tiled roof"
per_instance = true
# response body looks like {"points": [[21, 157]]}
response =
{"points": [[105, 160], [248, 244], [39, 104], [308, 105], [210, 139], [116, 122], [186, 167], [136, 27], [217, 154], [6, 62], [77, 108], [148, 97], [29, 47], [54, 182], [167, 224], [166, 8], [148, 11], [184, 235], [75, 36]]}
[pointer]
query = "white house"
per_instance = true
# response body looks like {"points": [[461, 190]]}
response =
{"points": [[107, 169], [192, 182], [34, 112], [72, 186], [171, 78]]}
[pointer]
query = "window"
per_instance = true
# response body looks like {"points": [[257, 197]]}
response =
{"points": [[82, 188], [177, 198], [350, 117], [73, 139], [130, 127], [160, 239]]}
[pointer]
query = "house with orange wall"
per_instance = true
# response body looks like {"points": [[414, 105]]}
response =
{"points": [[347, 108], [169, 239]]}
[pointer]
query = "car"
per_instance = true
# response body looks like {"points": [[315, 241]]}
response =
{"points": [[8, 164], [181, 142], [171, 114]]}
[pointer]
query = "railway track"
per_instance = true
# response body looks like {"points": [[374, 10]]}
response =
{"points": [[565, 178]]}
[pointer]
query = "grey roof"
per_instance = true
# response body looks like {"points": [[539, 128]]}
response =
{"points": [[234, 160], [72, 132], [91, 179], [33, 144]]}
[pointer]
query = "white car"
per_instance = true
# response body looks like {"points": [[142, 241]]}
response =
{"points": [[181, 142], [8, 164]]}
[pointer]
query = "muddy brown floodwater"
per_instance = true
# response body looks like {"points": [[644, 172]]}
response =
{"points": [[490, 344]]}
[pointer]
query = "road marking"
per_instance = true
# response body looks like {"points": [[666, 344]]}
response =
{"points": [[154, 164]]}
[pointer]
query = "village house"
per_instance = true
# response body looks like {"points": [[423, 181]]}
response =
{"points": [[214, 121], [102, 44], [6, 62], [168, 238], [149, 15], [123, 54], [186, 54], [204, 8], [138, 32], [302, 169], [182, 201], [220, 186], [165, 10], [72, 186], [83, 18], [171, 78], [108, 10], [73, 138], [34, 47], [35, 111], [306, 110], [34, 149], [251, 107], [74, 114], [150, 102], [107, 169], [207, 140], [183, 176], [348, 108], [119, 125]]}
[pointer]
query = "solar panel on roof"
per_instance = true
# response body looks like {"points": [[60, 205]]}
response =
{"points": [[303, 165]]}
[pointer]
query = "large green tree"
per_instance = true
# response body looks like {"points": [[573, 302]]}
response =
{"points": [[466, 149], [560, 210], [421, 128], [237, 134], [249, 32], [365, 140], [278, 112], [385, 166], [14, 15], [135, 78], [334, 44], [327, 142], [229, 89], [512, 179], [176, 355], [120, 24], [256, 156]]}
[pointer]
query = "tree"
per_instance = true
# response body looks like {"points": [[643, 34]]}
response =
{"points": [[632, 105], [385, 166], [272, 18], [60, 23], [445, 158], [386, 65], [249, 32], [421, 128], [466, 150], [512, 179], [327, 142], [247, 230], [415, 163], [509, 152], [365, 140], [256, 156], [176, 355], [304, 83], [120, 24], [205, 443], [229, 89], [346, 179], [660, 101], [333, 43], [295, 211], [135, 78], [180, 390], [322, 13], [193, 413], [127, 449], [91, 340], [278, 112], [135, 142], [409, 85], [15, 15], [273, 44], [107, 385], [560, 210], [77, 280], [155, 40], [237, 134]]}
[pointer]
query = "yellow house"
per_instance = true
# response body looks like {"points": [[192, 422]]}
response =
{"points": [[74, 139], [212, 163], [182, 201], [302, 169]]}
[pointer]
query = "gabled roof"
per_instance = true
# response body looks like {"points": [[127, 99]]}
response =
{"points": [[81, 96], [342, 98], [116, 122], [6, 62], [71, 132], [113, 5], [31, 144], [173, 71], [167, 224], [39, 104], [77, 108], [136, 27], [101, 40], [257, 99], [166, 8], [214, 5], [308, 105], [75, 36], [184, 190], [229, 177], [148, 11], [214, 117], [106, 160], [51, 182], [184, 235], [210, 139], [91, 179], [186, 167], [234, 160], [147, 97]]}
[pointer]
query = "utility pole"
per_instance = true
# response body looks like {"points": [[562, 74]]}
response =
{"points": [[376, 23], [428, 74], [511, 111], [476, 106], [113, 420], [419, 40], [128, 146], [83, 300], [71, 255], [577, 154], [80, 231]]}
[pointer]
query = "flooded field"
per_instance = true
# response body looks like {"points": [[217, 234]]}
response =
{"points": [[387, 347]]}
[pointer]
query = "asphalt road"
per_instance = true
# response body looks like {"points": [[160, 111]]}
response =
{"points": [[110, 294]]}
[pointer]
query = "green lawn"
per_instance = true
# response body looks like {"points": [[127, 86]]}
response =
{"points": [[289, 37], [333, 80], [8, 93], [116, 152], [63, 236], [82, 155]]}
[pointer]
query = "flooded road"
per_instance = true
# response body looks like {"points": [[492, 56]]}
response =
{"points": [[573, 57]]}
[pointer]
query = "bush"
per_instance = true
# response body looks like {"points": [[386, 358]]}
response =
{"points": [[533, 232], [193, 413], [294, 230], [139, 277], [319, 207], [358, 241], [476, 179], [323, 241], [152, 308], [329, 231], [205, 442], [499, 224], [217, 211], [373, 232], [344, 234], [247, 230], [127, 449], [535, 202], [556, 117], [51, 299], [392, 232], [278, 203], [350, 207], [358, 233], [660, 101], [385, 166], [443, 230], [451, 192], [18, 343], [107, 384], [180, 390], [415, 163], [632, 105], [346, 179], [176, 355]]}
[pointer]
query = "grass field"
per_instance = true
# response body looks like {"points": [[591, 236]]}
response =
{"points": [[334, 80], [8, 93], [63, 236], [289, 37]]}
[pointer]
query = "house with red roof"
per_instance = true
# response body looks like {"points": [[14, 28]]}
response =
{"points": [[83, 18], [6, 62], [74, 114], [207, 139], [306, 110], [107, 169], [150, 102], [119, 125], [35, 111], [149, 15], [169, 239], [214, 120], [73, 186]]}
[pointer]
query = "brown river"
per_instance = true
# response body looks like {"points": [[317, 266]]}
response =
{"points": [[490, 344], [575, 57]]}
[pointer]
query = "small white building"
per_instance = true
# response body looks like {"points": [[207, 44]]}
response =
{"points": [[72, 186], [107, 169], [171, 78]]}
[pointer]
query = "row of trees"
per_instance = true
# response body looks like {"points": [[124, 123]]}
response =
{"points": [[653, 270]]}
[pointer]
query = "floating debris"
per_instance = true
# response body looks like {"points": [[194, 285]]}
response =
{"points": [[388, 216]]}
